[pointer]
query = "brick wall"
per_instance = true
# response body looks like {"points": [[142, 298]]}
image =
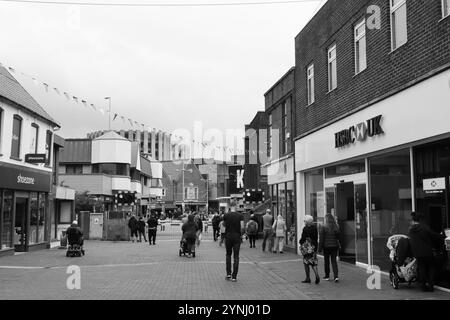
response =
{"points": [[427, 49]]}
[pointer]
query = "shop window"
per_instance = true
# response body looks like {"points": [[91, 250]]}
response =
{"points": [[16, 137], [274, 196], [391, 201], [74, 169], [7, 220], [345, 169], [65, 212], [48, 147], [315, 196], [360, 47], [34, 218], [332, 68], [399, 28], [42, 237], [34, 138], [291, 217]]}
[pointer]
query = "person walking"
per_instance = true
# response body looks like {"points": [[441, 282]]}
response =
{"points": [[141, 228], [329, 244], [267, 230], [152, 227], [252, 230], [308, 248], [199, 223], [279, 228], [222, 232], [423, 241], [234, 229], [215, 225], [189, 229], [133, 225]]}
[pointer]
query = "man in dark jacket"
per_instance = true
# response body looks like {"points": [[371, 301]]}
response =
{"points": [[215, 224], [141, 229], [422, 241], [234, 229], [152, 226], [133, 225]]}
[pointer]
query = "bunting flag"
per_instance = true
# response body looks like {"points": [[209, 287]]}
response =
{"points": [[75, 99], [35, 81], [93, 107], [123, 118], [84, 103], [115, 116], [101, 111], [12, 69], [57, 91], [45, 86], [67, 95], [131, 122]]}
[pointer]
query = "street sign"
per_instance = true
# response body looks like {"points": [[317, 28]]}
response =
{"points": [[434, 184], [35, 158]]}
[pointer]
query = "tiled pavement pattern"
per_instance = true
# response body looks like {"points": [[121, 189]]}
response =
{"points": [[124, 270]]}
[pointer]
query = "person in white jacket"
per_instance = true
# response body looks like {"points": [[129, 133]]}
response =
{"points": [[279, 227]]}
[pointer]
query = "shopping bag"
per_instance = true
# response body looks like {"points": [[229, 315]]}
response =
{"points": [[410, 270]]}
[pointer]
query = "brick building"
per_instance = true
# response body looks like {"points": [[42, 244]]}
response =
{"points": [[372, 136]]}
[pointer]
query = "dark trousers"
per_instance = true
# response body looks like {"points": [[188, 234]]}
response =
{"points": [[327, 254], [151, 236], [252, 239], [142, 233], [232, 245], [425, 270], [267, 234], [216, 233]]}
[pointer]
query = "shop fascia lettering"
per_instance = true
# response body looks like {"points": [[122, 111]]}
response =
{"points": [[359, 132], [24, 180]]}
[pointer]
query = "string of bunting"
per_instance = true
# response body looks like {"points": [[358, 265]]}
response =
{"points": [[86, 103]]}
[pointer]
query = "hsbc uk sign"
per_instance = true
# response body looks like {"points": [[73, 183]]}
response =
{"points": [[359, 132]]}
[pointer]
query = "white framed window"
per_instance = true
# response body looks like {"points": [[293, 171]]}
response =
{"points": [[332, 68], [34, 138], [399, 27], [445, 8], [310, 84], [360, 47]]}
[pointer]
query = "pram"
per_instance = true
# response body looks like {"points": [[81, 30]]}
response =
{"points": [[404, 266], [184, 248]]}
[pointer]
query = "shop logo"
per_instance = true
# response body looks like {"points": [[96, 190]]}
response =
{"points": [[239, 179], [359, 132], [24, 180]]}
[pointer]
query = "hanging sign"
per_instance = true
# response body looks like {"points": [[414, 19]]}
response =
{"points": [[435, 184], [35, 158]]}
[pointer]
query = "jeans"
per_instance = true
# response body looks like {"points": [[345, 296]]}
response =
{"points": [[267, 234], [233, 245], [151, 236], [279, 244], [216, 233], [327, 254], [142, 233], [252, 240], [425, 270]]}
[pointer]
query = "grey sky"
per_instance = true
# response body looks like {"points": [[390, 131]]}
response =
{"points": [[165, 67]]}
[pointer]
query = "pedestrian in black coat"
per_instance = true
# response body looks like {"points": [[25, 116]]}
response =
{"points": [[308, 247], [152, 223], [133, 225], [422, 241], [141, 229]]}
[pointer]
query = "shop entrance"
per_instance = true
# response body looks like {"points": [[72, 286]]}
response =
{"points": [[346, 200], [20, 230]]}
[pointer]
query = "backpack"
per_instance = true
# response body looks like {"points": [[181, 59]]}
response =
{"points": [[252, 227]]}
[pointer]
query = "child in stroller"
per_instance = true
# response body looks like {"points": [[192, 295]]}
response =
{"points": [[187, 247], [404, 266]]}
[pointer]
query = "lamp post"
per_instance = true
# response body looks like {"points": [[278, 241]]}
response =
{"points": [[183, 171], [109, 111]]}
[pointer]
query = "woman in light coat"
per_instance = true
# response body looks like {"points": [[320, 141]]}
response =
{"points": [[279, 227]]}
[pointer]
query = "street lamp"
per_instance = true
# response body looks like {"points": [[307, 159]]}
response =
{"points": [[184, 170]]}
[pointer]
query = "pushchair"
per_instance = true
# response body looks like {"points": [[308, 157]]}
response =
{"points": [[184, 250], [404, 266]]}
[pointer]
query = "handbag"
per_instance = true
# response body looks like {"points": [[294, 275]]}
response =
{"points": [[409, 271]]}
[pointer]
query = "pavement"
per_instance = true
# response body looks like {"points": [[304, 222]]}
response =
{"points": [[130, 271]]}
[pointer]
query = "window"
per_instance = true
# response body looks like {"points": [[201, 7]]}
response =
{"points": [[310, 84], [156, 183], [332, 68], [399, 29], [118, 169], [445, 8], [269, 145], [285, 124], [74, 169], [48, 147], [360, 47], [16, 136], [34, 138]]}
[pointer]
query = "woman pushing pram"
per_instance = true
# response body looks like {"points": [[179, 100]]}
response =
{"points": [[187, 243], [404, 265]]}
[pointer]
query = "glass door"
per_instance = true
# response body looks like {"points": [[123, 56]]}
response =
{"points": [[20, 230], [361, 242], [345, 214]]}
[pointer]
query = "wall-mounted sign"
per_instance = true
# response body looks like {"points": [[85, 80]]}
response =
{"points": [[190, 193], [359, 132], [435, 184], [21, 178], [35, 158]]}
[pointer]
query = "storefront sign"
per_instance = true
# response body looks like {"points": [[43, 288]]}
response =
{"points": [[359, 132], [435, 184], [35, 158], [190, 193], [14, 177]]}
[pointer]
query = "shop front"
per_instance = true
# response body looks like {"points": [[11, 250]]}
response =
{"points": [[371, 169], [280, 175], [23, 208]]}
